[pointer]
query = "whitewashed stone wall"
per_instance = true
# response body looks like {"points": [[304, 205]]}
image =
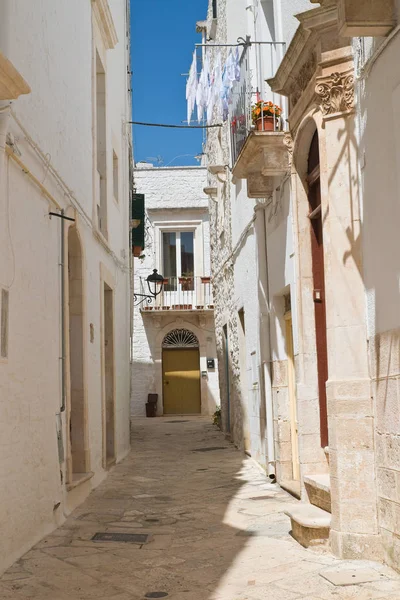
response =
{"points": [[240, 280], [51, 44], [380, 147], [172, 195]]}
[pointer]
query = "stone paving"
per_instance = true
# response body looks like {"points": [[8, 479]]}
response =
{"points": [[217, 532]]}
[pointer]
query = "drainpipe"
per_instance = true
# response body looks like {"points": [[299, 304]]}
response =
{"points": [[4, 120], [63, 267], [63, 336]]}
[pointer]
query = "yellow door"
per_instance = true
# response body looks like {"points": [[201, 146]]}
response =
{"points": [[181, 381]]}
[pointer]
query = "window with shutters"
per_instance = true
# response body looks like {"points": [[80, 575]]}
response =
{"points": [[4, 324], [137, 224]]}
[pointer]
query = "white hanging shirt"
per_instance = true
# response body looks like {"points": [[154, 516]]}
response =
{"points": [[191, 88]]}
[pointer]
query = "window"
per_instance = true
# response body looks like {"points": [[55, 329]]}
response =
{"points": [[214, 9], [115, 177], [178, 259], [4, 324]]}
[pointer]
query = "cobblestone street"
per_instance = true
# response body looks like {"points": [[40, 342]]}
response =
{"points": [[216, 532]]}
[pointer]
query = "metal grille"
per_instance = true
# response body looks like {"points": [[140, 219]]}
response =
{"points": [[132, 538], [180, 338]]}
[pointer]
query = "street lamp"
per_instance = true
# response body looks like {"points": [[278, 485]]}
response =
{"points": [[155, 283]]}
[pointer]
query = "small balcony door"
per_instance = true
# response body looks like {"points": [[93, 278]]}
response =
{"points": [[178, 268]]}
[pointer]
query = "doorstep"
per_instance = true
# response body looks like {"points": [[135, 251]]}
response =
{"points": [[310, 524], [318, 489]]}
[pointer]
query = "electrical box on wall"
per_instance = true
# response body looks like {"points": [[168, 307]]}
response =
{"points": [[210, 363]]}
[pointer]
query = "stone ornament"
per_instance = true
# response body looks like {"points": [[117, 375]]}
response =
{"points": [[180, 338], [288, 142], [336, 93]]}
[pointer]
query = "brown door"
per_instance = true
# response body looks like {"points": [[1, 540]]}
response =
{"points": [[317, 250]]}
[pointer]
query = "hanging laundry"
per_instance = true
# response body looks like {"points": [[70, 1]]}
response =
{"points": [[237, 65], [202, 89], [227, 86], [191, 88]]}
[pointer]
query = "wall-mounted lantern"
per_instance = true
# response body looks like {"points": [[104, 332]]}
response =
{"points": [[155, 283]]}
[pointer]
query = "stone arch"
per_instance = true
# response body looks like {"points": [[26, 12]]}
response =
{"points": [[307, 390]]}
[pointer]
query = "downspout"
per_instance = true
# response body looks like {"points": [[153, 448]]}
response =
{"points": [[63, 336], [4, 119], [63, 266]]}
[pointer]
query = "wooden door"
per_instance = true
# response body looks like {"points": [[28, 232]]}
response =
{"points": [[294, 427], [181, 381], [317, 250]]}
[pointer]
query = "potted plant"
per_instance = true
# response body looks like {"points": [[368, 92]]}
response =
{"points": [[205, 279], [266, 116], [217, 418], [186, 281]]}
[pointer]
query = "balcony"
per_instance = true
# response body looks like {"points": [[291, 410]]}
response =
{"points": [[258, 120], [180, 294]]}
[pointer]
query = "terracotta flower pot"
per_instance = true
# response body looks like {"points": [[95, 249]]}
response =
{"points": [[266, 124], [205, 279]]}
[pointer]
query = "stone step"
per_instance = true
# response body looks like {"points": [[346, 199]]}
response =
{"points": [[310, 524], [318, 489]]}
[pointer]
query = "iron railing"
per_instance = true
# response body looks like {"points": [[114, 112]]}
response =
{"points": [[181, 293], [252, 88]]}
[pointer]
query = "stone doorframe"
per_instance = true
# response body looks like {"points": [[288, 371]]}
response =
{"points": [[317, 75]]}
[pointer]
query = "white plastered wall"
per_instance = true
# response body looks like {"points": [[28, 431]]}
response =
{"points": [[51, 45]]}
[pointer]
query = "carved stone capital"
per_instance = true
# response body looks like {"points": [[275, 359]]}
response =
{"points": [[336, 93], [288, 142]]}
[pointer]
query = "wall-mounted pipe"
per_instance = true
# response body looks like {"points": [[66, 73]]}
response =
{"points": [[63, 268]]}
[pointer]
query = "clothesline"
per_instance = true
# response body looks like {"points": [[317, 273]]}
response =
{"points": [[174, 126], [214, 87]]}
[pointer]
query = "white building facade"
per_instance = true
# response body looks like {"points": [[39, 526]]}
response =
{"points": [[65, 148], [181, 318], [305, 265]]}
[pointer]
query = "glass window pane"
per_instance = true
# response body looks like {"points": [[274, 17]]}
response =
{"points": [[187, 258], [169, 260]]}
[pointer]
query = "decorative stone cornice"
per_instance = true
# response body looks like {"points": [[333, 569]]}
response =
{"points": [[12, 84], [336, 93], [105, 22], [301, 59]]}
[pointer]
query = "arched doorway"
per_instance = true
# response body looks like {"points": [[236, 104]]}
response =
{"points": [[181, 373], [76, 413], [318, 270]]}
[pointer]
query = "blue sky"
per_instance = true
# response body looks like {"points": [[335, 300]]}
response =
{"points": [[163, 37]]}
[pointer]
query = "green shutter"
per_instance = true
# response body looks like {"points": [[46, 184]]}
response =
{"points": [[137, 213]]}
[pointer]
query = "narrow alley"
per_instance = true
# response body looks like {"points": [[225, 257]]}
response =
{"points": [[216, 531]]}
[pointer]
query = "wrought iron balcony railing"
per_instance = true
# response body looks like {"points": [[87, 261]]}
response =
{"points": [[181, 293], [254, 106]]}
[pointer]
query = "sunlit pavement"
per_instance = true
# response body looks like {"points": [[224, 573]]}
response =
{"points": [[216, 531]]}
